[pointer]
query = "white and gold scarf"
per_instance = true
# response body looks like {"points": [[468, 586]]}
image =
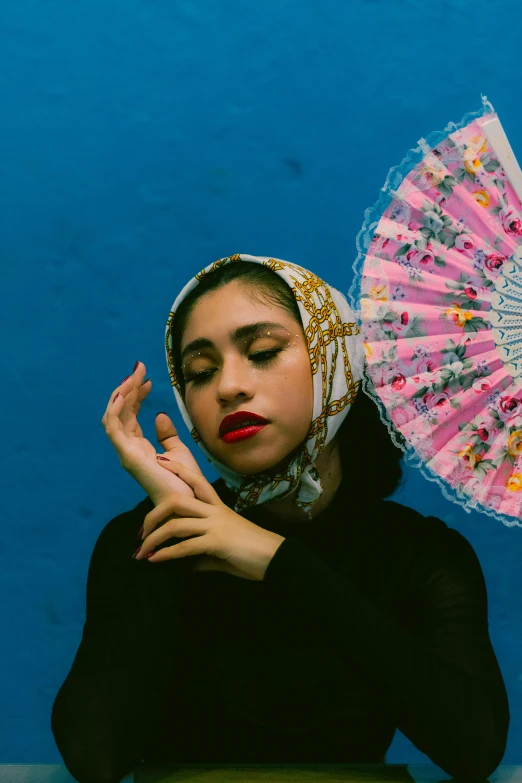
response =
{"points": [[337, 360]]}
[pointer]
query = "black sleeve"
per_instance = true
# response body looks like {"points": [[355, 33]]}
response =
{"points": [[443, 683], [105, 713]]}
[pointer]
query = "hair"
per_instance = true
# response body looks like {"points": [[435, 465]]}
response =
{"points": [[369, 457]]}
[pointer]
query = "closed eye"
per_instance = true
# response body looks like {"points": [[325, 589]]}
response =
{"points": [[260, 358]]}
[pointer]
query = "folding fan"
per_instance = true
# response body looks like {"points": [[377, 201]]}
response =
{"points": [[439, 294]]}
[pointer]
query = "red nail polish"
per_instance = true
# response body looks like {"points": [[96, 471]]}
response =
{"points": [[136, 552], [136, 366], [163, 458], [140, 531], [150, 555]]}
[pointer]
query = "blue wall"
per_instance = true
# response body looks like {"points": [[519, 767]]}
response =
{"points": [[141, 141]]}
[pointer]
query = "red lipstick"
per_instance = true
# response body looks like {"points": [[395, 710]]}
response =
{"points": [[241, 434], [239, 425]]}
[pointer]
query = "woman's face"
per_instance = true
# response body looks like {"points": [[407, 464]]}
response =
{"points": [[279, 388]]}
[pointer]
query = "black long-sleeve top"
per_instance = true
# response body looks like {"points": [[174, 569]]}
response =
{"points": [[363, 624]]}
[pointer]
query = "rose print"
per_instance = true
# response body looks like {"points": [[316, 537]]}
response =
{"points": [[379, 292], [459, 316], [434, 400], [484, 433], [514, 482], [471, 163], [422, 257], [511, 222], [514, 444], [431, 175], [494, 262], [508, 407], [481, 385], [463, 242], [482, 197], [468, 456], [400, 325], [398, 382], [424, 365]]}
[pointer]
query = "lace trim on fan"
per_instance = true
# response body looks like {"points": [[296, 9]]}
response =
{"points": [[372, 216]]}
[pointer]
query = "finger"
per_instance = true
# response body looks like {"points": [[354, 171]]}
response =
{"points": [[112, 424], [174, 503], [125, 387], [188, 548], [202, 488], [116, 419], [144, 389], [166, 432], [134, 393], [185, 527], [131, 425]]}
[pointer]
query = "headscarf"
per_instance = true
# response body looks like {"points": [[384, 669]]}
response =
{"points": [[337, 360]]}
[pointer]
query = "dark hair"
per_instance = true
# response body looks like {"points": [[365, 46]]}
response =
{"points": [[369, 458]]}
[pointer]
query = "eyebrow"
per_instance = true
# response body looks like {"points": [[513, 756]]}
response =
{"points": [[247, 330]]}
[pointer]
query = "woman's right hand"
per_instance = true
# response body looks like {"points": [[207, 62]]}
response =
{"points": [[137, 455]]}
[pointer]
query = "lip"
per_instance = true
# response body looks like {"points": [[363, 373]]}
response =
{"points": [[245, 432], [234, 420]]}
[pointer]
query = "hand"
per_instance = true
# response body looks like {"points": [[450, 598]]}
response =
{"points": [[224, 540], [137, 455]]}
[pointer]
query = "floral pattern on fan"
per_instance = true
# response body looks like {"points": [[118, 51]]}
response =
{"points": [[441, 311]]}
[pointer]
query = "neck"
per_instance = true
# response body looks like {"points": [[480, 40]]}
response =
{"points": [[330, 470]]}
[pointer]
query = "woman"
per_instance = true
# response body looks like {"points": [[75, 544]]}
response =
{"points": [[349, 616]]}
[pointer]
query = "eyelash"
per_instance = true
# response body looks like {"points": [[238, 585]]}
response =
{"points": [[203, 377]]}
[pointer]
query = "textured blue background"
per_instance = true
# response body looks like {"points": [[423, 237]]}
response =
{"points": [[142, 140]]}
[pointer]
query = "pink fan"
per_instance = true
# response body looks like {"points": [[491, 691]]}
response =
{"points": [[439, 281]]}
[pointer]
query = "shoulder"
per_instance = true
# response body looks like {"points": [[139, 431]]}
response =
{"points": [[429, 527], [438, 554], [408, 519], [428, 538]]}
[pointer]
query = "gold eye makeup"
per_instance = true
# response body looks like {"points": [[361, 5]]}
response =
{"points": [[248, 333]]}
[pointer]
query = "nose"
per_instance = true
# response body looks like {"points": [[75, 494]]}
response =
{"points": [[236, 377]]}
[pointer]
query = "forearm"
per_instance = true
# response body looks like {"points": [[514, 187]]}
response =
{"points": [[102, 713]]}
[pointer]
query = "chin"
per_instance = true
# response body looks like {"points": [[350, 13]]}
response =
{"points": [[249, 466], [271, 468], [249, 463], [252, 469]]}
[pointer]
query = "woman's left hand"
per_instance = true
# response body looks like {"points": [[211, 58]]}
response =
{"points": [[224, 540]]}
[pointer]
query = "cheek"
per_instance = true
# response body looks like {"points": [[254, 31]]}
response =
{"points": [[196, 407], [294, 389]]}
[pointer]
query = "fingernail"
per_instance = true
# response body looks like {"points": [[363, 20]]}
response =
{"points": [[136, 366], [145, 381], [164, 459], [125, 379], [141, 531], [136, 552]]}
